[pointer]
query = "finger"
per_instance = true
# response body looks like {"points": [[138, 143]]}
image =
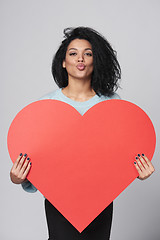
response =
{"points": [[145, 165], [17, 161], [27, 170], [148, 167], [138, 168], [20, 163], [22, 170], [139, 163], [148, 162], [141, 174]]}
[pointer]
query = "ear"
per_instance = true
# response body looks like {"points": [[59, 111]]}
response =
{"points": [[64, 64]]}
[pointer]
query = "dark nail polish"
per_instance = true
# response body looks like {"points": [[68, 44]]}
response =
{"points": [[30, 163], [136, 157], [134, 162], [139, 155], [25, 154], [142, 154], [28, 158], [20, 154]]}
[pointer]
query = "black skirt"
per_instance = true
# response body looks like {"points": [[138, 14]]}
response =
{"points": [[59, 228]]}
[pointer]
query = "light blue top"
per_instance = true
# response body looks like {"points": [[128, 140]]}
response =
{"points": [[81, 107]]}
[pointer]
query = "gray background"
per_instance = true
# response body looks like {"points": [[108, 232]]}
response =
{"points": [[31, 31]]}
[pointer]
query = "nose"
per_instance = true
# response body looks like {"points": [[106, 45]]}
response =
{"points": [[80, 58]]}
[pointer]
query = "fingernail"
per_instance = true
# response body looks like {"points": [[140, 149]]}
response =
{"points": [[139, 155], [20, 154], [25, 154], [136, 157], [28, 158], [134, 162], [30, 163], [142, 154]]}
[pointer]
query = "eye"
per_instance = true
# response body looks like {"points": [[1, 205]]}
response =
{"points": [[73, 53], [88, 54]]}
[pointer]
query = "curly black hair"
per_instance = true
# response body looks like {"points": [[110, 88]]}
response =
{"points": [[106, 69]]}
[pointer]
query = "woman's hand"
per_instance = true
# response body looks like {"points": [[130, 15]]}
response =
{"points": [[143, 166], [20, 169]]}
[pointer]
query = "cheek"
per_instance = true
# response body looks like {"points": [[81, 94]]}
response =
{"points": [[69, 61], [90, 62], [91, 65], [69, 66]]}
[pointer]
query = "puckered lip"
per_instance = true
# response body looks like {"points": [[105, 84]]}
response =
{"points": [[80, 66]]}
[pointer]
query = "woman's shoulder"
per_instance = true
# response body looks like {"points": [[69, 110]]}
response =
{"points": [[50, 95], [113, 96]]}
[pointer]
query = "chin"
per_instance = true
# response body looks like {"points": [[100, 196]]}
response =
{"points": [[82, 76]]}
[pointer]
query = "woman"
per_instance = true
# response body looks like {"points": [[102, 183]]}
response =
{"points": [[86, 70]]}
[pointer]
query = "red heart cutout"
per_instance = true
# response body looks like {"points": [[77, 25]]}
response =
{"points": [[81, 163]]}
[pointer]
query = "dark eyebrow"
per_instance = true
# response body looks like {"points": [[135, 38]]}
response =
{"points": [[76, 49]]}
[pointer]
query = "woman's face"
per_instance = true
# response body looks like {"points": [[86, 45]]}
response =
{"points": [[79, 59]]}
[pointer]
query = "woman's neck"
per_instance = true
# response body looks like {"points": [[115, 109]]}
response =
{"points": [[79, 92]]}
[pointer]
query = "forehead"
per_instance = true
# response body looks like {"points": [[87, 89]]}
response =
{"points": [[79, 44]]}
